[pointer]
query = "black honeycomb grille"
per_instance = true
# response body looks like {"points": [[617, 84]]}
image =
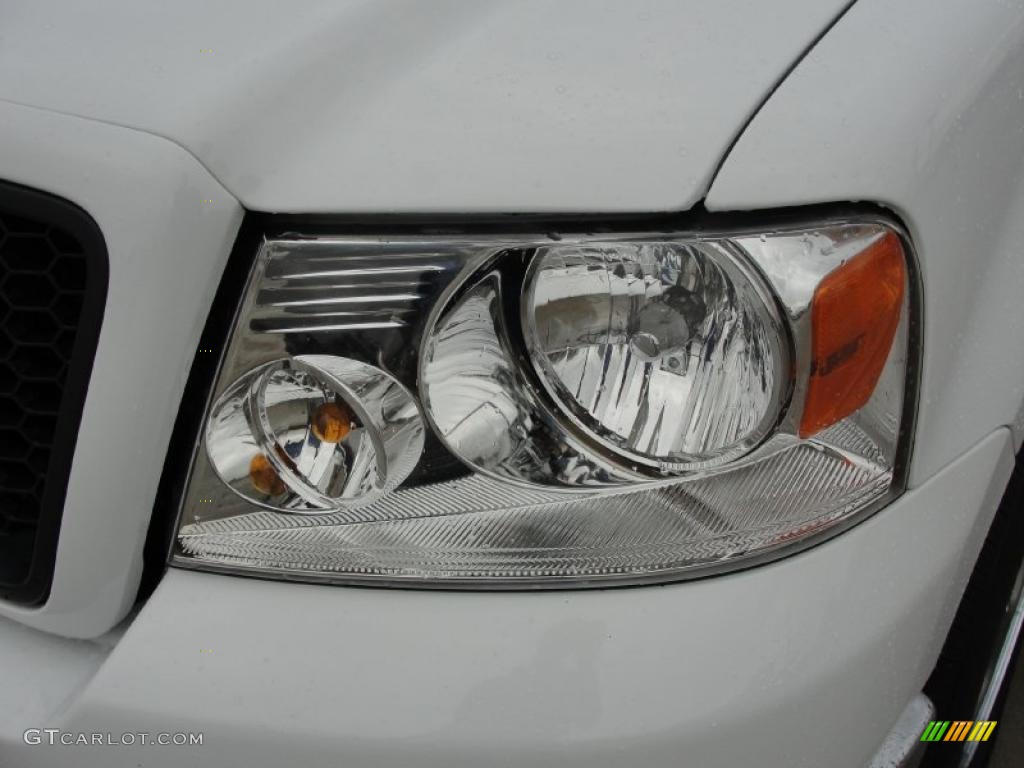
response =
{"points": [[46, 287], [42, 285]]}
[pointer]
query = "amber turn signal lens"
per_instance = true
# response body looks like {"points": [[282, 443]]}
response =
{"points": [[264, 477], [331, 422], [854, 316]]}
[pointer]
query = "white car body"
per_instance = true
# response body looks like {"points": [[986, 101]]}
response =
{"points": [[166, 123]]}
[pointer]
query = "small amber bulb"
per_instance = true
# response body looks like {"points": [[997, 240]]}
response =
{"points": [[331, 422], [264, 477]]}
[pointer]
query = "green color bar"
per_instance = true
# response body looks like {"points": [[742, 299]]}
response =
{"points": [[935, 731]]}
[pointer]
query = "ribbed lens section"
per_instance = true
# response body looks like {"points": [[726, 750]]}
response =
{"points": [[476, 528], [670, 352]]}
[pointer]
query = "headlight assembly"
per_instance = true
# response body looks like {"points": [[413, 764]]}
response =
{"points": [[552, 410]]}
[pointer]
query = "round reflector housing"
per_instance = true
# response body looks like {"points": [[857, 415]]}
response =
{"points": [[671, 353], [314, 433]]}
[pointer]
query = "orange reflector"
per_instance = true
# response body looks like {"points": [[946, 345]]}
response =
{"points": [[332, 422], [854, 316], [264, 477]]}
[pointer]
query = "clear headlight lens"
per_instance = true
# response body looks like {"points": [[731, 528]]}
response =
{"points": [[551, 410]]}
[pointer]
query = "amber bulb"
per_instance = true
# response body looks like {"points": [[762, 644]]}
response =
{"points": [[264, 477], [331, 422]]}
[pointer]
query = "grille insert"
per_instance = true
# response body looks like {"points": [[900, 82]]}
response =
{"points": [[52, 287]]}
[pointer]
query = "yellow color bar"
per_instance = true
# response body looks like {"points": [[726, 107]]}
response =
{"points": [[979, 728]]}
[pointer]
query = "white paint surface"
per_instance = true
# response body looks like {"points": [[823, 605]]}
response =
{"points": [[804, 662], [402, 105]]}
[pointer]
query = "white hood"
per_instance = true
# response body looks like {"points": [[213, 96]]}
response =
{"points": [[410, 105]]}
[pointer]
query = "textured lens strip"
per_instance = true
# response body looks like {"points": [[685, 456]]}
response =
{"points": [[477, 528]]}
